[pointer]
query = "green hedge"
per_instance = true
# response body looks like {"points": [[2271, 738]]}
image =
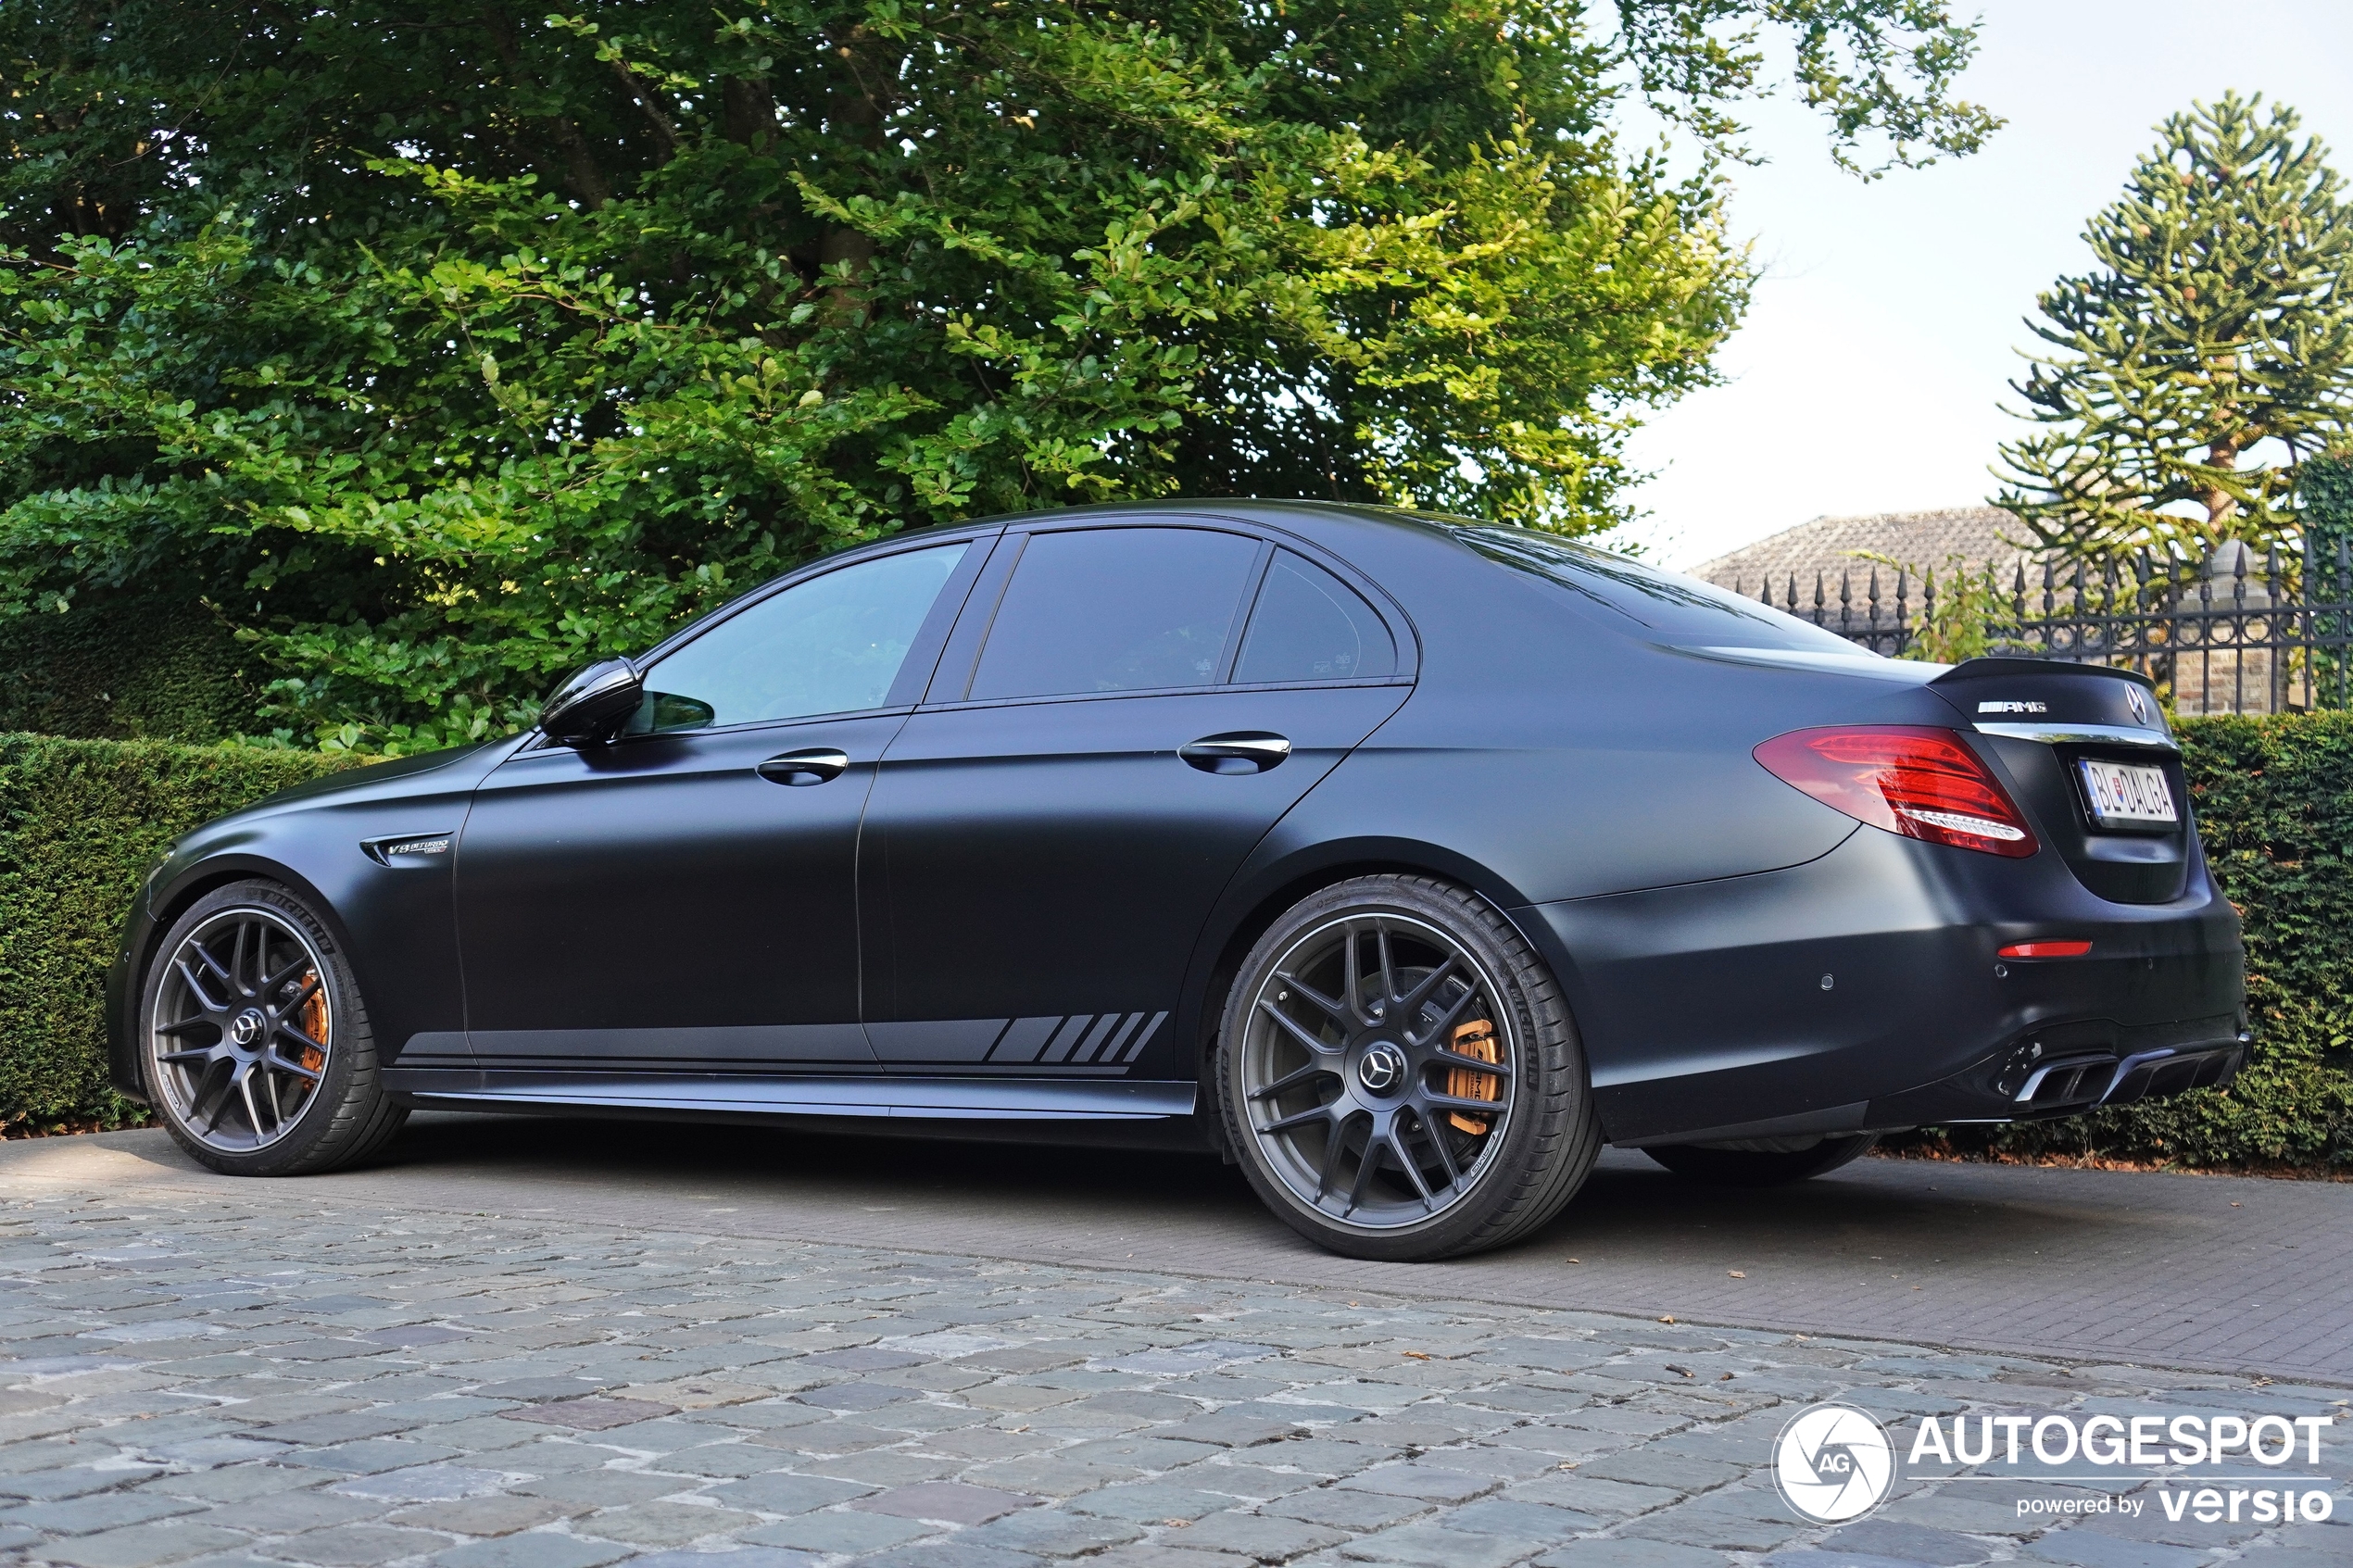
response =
{"points": [[80, 819], [127, 669]]}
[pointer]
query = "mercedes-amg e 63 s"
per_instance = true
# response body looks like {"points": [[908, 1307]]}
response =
{"points": [[1401, 859]]}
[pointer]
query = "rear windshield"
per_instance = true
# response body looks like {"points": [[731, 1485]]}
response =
{"points": [[1681, 610]]}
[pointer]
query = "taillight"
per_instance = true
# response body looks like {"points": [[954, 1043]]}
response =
{"points": [[1921, 783]]}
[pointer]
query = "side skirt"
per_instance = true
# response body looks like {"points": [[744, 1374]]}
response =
{"points": [[932, 1099]]}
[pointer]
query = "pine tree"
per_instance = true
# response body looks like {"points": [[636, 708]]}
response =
{"points": [[2210, 352]]}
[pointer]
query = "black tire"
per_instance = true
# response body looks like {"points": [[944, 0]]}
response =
{"points": [[255, 953], [1760, 1167], [1516, 1165]]}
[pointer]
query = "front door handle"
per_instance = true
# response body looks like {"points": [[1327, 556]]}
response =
{"points": [[1244, 751], [802, 768]]}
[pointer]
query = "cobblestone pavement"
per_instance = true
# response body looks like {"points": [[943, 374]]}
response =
{"points": [[274, 1373], [2219, 1274]]}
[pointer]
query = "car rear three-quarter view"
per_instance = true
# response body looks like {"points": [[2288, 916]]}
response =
{"points": [[1405, 861]]}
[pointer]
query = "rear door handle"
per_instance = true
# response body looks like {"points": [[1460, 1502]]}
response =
{"points": [[1244, 751], [802, 768]]}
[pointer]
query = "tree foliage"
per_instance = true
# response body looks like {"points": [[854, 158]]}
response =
{"points": [[2210, 351], [437, 347]]}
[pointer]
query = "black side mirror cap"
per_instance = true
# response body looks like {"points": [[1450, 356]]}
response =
{"points": [[592, 705]]}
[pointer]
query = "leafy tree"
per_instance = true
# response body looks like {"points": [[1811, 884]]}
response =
{"points": [[438, 349], [2217, 332]]}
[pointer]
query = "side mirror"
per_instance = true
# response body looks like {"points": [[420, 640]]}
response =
{"points": [[593, 704]]}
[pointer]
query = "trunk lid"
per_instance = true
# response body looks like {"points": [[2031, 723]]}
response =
{"points": [[2041, 720]]}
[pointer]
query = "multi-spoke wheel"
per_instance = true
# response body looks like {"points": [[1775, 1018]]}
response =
{"points": [[1398, 1075], [258, 1055]]}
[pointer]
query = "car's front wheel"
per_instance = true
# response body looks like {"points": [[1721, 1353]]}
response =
{"points": [[256, 1051], [1399, 1074], [1761, 1164]]}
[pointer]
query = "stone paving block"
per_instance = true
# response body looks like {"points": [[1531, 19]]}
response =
{"points": [[665, 1524], [1433, 1546], [423, 1483], [592, 1414], [952, 1501], [853, 1395], [719, 1458], [1530, 1520], [888, 1467], [144, 1546], [100, 1510], [287, 1513], [1051, 1533], [501, 1514], [1653, 1467], [2087, 1548], [1431, 1483], [1623, 1552], [1909, 1543], [1756, 1521], [841, 1531], [41, 1486], [604, 1488], [1151, 1502], [355, 1546], [233, 1483], [730, 1557], [779, 1493], [369, 1455], [954, 1553], [1267, 1537], [1345, 1509], [532, 1549]]}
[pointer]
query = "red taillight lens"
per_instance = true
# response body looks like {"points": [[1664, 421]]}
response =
{"points": [[1921, 783], [2066, 949]]}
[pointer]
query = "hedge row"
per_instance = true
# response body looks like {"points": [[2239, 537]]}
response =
{"points": [[81, 821]]}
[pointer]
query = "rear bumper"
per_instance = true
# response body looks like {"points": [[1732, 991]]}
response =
{"points": [[1705, 1013]]}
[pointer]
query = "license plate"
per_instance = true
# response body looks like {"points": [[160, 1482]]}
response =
{"points": [[2125, 796]]}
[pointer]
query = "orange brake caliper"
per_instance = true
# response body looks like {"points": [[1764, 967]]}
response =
{"points": [[314, 1021], [1477, 1039]]}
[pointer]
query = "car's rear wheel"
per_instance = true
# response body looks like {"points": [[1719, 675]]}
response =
{"points": [[255, 1043], [1398, 1075], [1761, 1164]]}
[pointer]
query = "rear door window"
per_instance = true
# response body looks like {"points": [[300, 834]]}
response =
{"points": [[1115, 609], [1308, 625]]}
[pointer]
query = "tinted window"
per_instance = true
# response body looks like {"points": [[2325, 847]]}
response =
{"points": [[830, 644], [1310, 626], [1115, 609], [1681, 609]]}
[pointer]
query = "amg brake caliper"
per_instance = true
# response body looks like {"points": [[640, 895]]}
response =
{"points": [[1474, 1039]]}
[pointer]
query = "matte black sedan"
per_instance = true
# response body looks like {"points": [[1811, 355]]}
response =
{"points": [[1405, 861]]}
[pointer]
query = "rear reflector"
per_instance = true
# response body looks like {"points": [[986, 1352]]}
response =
{"points": [[1921, 783], [2045, 949]]}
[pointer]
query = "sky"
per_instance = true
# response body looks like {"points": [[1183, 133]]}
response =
{"points": [[1871, 371]]}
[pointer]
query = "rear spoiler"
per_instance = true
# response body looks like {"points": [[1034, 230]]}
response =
{"points": [[1981, 668]]}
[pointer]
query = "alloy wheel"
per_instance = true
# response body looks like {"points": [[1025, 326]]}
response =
{"points": [[1378, 1070], [241, 1028]]}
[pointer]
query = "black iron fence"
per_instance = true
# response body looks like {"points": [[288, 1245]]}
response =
{"points": [[2234, 633]]}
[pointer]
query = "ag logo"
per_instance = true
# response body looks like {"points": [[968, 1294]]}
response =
{"points": [[1832, 1463]]}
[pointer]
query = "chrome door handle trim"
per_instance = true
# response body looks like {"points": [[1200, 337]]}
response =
{"points": [[1241, 752], [800, 769]]}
